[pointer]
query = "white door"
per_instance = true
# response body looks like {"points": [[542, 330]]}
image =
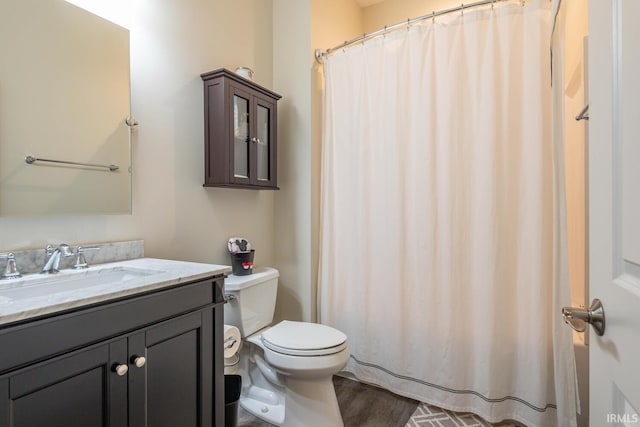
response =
{"points": [[614, 209]]}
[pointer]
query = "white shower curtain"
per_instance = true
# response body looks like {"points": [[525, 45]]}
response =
{"points": [[442, 241]]}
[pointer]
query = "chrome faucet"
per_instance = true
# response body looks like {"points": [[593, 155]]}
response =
{"points": [[81, 261], [11, 270], [53, 257]]}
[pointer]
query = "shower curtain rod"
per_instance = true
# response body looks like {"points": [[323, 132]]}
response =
{"points": [[319, 53]]}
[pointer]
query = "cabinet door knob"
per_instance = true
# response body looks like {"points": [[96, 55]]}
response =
{"points": [[120, 369], [139, 361]]}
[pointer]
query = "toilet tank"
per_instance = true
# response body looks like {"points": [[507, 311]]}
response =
{"points": [[252, 300]]}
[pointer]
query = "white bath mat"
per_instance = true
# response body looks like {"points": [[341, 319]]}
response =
{"points": [[431, 416]]}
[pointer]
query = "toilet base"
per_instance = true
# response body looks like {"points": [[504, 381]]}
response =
{"points": [[292, 391], [270, 412], [311, 404], [307, 403]]}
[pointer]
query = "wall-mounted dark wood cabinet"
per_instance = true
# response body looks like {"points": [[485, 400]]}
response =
{"points": [[240, 135]]}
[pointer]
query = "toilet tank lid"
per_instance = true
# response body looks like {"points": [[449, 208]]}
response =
{"points": [[259, 275]]}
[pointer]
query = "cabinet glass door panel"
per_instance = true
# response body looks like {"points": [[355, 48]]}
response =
{"points": [[263, 123], [240, 137]]}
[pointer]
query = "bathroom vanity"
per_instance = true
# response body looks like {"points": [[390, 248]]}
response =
{"points": [[143, 350]]}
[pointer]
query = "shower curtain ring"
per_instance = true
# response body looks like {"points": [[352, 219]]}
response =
{"points": [[433, 17], [461, 9]]}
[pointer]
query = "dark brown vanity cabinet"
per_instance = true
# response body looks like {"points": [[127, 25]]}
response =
{"points": [[239, 132], [143, 361]]}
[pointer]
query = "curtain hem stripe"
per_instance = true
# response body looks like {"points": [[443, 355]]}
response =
{"points": [[454, 391]]}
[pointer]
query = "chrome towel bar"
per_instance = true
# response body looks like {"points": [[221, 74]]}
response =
{"points": [[30, 160]]}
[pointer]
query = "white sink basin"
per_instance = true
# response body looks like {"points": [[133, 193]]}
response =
{"points": [[35, 286]]}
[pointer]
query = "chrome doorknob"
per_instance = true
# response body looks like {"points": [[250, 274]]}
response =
{"points": [[139, 361], [578, 318], [120, 369]]}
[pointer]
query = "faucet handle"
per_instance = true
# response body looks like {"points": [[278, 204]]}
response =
{"points": [[81, 261], [11, 270], [52, 257]]}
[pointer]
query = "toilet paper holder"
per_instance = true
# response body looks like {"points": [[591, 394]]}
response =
{"points": [[229, 342], [231, 345]]}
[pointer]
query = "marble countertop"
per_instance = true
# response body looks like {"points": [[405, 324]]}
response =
{"points": [[37, 294]]}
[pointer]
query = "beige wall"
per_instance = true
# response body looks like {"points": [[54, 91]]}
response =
{"points": [[172, 43], [291, 41], [391, 12], [575, 148], [315, 24]]}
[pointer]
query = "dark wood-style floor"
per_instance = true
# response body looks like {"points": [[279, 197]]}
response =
{"points": [[361, 405]]}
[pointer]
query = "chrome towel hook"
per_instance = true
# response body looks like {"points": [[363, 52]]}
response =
{"points": [[584, 114], [131, 121]]}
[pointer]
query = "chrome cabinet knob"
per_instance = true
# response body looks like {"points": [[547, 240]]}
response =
{"points": [[139, 361], [120, 369]]}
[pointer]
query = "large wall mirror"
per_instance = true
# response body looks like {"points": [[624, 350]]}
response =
{"points": [[64, 96]]}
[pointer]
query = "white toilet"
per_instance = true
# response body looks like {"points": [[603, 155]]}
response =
{"points": [[287, 368]]}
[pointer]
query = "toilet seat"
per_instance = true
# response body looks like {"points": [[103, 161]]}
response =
{"points": [[304, 339]]}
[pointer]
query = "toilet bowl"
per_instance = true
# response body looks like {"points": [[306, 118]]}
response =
{"points": [[286, 368]]}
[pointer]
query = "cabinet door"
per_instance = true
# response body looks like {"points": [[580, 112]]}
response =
{"points": [[79, 389], [253, 132], [241, 129], [174, 386], [264, 143]]}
